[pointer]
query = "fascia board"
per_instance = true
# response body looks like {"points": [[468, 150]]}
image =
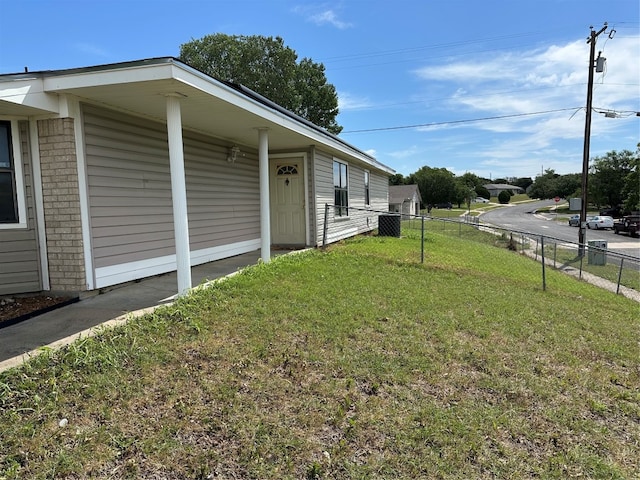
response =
{"points": [[137, 74]]}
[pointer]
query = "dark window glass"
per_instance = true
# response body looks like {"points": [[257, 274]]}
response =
{"points": [[341, 192], [367, 199], [8, 204]]}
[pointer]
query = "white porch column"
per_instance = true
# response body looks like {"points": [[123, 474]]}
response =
{"points": [[265, 220], [178, 194]]}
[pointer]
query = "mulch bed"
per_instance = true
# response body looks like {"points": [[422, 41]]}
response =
{"points": [[18, 308]]}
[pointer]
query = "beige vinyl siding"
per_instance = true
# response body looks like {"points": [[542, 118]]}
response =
{"points": [[323, 187], [379, 191], [312, 213], [130, 190], [19, 253], [361, 218], [223, 198]]}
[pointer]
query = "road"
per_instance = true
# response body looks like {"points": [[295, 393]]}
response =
{"points": [[521, 217]]}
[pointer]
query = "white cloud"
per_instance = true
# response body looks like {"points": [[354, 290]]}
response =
{"points": [[329, 17], [348, 101], [518, 83], [405, 153], [371, 152], [322, 17], [538, 80]]}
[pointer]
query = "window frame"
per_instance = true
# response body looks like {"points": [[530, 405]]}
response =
{"points": [[18, 177], [340, 192]]}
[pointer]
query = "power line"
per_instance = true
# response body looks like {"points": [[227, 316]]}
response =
{"points": [[454, 122], [381, 53], [399, 54]]}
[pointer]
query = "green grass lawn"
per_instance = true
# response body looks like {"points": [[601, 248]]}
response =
{"points": [[563, 255], [351, 363]]}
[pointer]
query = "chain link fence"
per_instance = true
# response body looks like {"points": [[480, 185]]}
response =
{"points": [[614, 271]]}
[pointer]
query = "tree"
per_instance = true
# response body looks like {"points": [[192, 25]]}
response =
{"points": [[566, 186], [482, 191], [267, 66], [466, 188], [544, 185], [437, 185], [631, 189], [522, 182], [608, 176], [397, 179]]}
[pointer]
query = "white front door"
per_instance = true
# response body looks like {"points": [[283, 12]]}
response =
{"points": [[287, 202]]}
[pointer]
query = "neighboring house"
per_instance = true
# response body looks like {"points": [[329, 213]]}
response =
{"points": [[496, 188], [404, 199], [118, 172]]}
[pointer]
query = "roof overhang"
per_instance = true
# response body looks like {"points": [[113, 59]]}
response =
{"points": [[140, 88]]}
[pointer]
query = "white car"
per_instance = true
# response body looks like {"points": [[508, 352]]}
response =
{"points": [[481, 200], [600, 221]]}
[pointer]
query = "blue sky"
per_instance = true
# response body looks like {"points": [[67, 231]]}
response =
{"points": [[420, 82]]}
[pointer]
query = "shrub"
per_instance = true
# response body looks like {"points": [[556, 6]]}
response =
{"points": [[504, 197]]}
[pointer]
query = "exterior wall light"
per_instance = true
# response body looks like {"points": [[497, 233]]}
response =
{"points": [[233, 154]]}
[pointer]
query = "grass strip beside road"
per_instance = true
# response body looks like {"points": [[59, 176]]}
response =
{"points": [[357, 362]]}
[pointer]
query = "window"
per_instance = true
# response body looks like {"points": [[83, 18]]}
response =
{"points": [[340, 185], [287, 170], [367, 198], [8, 197]]}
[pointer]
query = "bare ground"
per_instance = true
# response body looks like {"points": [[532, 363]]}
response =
{"points": [[15, 307]]}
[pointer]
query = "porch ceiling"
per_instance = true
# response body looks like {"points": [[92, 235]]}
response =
{"points": [[200, 111]]}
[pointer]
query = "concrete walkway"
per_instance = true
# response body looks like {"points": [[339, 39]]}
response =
{"points": [[115, 305]]}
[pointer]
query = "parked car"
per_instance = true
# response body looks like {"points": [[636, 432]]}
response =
{"points": [[600, 222], [481, 200], [574, 221], [629, 224], [446, 205]]}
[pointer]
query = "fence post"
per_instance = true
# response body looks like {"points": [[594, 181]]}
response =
{"points": [[619, 276], [324, 229], [422, 242], [581, 260], [544, 278]]}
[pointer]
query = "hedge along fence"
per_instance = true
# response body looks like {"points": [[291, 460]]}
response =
{"points": [[605, 268]]}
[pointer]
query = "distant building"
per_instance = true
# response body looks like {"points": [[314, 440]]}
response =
{"points": [[404, 199], [496, 188]]}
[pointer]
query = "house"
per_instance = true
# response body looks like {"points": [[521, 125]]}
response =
{"points": [[496, 188], [118, 172], [404, 199]]}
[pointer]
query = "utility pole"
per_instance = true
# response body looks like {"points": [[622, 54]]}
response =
{"points": [[587, 139]]}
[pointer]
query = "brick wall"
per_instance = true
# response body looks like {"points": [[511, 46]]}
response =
{"points": [[61, 204]]}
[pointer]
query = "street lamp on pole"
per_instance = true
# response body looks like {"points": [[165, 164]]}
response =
{"points": [[587, 135]]}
